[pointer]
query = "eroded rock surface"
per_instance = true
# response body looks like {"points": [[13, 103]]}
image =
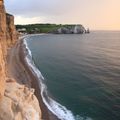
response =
{"points": [[19, 103], [2, 48]]}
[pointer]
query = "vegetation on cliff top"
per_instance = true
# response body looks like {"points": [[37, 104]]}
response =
{"points": [[42, 28]]}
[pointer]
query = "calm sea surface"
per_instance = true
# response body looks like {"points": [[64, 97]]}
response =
{"points": [[82, 72]]}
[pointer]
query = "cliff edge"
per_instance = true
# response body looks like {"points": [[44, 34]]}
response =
{"points": [[17, 102]]}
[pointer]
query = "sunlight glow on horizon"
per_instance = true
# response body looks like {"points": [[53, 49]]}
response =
{"points": [[95, 14]]}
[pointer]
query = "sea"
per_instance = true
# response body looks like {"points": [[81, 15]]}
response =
{"points": [[79, 74]]}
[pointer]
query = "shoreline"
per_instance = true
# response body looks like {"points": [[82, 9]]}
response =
{"points": [[46, 113], [23, 74]]}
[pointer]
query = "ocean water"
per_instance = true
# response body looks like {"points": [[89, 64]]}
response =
{"points": [[81, 74]]}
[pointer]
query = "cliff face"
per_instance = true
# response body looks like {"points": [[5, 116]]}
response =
{"points": [[3, 46], [11, 36], [73, 29], [2, 72], [17, 102], [7, 37]]}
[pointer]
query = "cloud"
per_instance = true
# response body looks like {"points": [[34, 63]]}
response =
{"points": [[36, 7], [20, 19], [96, 14]]}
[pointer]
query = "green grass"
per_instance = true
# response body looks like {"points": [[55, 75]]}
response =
{"points": [[41, 28]]}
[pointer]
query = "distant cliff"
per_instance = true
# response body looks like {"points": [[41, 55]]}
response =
{"points": [[70, 29], [51, 28]]}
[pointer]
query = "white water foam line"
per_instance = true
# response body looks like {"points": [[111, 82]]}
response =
{"points": [[57, 109]]}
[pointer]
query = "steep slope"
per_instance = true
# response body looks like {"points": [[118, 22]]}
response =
{"points": [[2, 48], [8, 37], [17, 102]]}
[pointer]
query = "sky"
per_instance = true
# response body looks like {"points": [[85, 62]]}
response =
{"points": [[93, 14]]}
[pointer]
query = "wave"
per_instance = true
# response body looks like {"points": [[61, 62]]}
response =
{"points": [[56, 108]]}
